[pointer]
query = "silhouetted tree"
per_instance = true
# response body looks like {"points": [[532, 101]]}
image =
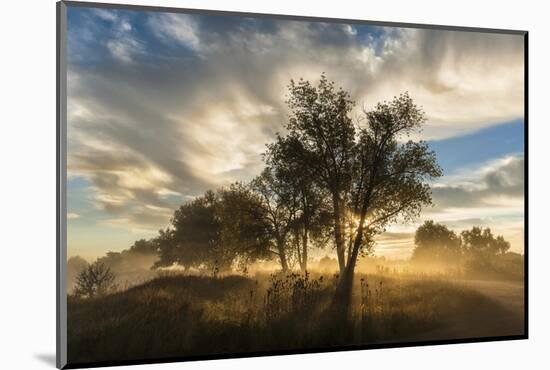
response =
{"points": [[280, 205], [194, 237], [486, 255], [75, 265], [144, 246], [168, 250], [372, 177], [323, 137], [390, 178], [216, 231], [435, 243], [139, 257], [95, 280], [482, 242], [246, 231], [311, 216]]}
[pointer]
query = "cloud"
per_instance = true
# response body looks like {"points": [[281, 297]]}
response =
{"points": [[498, 183], [72, 216], [105, 14], [180, 103], [130, 224], [121, 42], [463, 80], [489, 195], [124, 49], [175, 27]]}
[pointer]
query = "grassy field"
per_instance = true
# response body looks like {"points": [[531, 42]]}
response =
{"points": [[180, 315]]}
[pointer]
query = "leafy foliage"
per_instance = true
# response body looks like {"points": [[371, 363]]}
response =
{"points": [[370, 175], [482, 242], [475, 253], [215, 231], [435, 243], [140, 256]]}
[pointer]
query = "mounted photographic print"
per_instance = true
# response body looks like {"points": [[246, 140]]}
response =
{"points": [[234, 184]]}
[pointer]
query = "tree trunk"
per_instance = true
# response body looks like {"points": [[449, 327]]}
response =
{"points": [[303, 263], [282, 255], [284, 263], [342, 298], [341, 302], [340, 245], [298, 248]]}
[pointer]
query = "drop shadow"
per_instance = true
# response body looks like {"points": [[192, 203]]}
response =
{"points": [[47, 358]]}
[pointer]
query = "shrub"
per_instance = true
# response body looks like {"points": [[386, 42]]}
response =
{"points": [[95, 280]]}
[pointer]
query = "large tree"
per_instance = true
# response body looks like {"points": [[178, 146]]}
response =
{"points": [[372, 175], [245, 231], [323, 135], [391, 178], [193, 240], [216, 231]]}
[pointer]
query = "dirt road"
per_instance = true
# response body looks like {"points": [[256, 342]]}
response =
{"points": [[500, 314], [509, 294]]}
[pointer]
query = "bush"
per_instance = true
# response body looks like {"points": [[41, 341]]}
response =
{"points": [[95, 280]]}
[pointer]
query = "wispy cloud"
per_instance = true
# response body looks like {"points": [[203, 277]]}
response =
{"points": [[124, 49], [165, 106], [106, 14], [501, 179], [181, 28]]}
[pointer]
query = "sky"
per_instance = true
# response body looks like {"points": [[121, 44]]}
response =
{"points": [[163, 106]]}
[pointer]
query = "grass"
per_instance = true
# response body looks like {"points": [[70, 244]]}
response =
{"points": [[182, 316]]}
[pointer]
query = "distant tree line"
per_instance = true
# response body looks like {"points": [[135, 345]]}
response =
{"points": [[106, 273], [475, 252]]}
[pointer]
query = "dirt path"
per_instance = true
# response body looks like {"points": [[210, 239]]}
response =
{"points": [[501, 314], [509, 294]]}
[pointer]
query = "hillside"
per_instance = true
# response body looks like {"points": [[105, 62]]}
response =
{"points": [[192, 315]]}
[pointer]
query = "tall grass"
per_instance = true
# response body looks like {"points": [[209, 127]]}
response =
{"points": [[177, 315]]}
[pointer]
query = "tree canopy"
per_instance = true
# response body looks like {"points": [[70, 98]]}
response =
{"points": [[370, 173], [482, 242], [328, 180], [474, 252], [435, 243], [215, 231]]}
